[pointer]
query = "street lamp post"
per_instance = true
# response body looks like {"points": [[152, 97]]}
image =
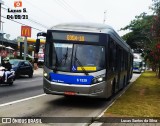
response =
{"points": [[2, 25], [104, 20], [3, 38]]}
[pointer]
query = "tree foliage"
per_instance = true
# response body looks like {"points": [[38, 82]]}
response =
{"points": [[144, 34], [140, 32]]}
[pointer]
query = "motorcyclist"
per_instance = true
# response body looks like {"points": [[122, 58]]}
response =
{"points": [[6, 64]]}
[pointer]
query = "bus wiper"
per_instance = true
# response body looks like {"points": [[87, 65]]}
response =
{"points": [[77, 60], [56, 64], [65, 56]]}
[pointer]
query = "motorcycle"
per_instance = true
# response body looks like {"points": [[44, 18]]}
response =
{"points": [[10, 78]]}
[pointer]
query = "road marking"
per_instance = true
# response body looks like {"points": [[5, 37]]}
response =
{"points": [[107, 108], [21, 100]]}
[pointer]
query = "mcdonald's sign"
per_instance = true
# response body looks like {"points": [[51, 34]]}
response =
{"points": [[26, 31]]}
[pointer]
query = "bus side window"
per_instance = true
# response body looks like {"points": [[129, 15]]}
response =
{"points": [[119, 59], [112, 55], [140, 64]]}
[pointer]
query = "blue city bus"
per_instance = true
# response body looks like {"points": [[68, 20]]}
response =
{"points": [[137, 65], [85, 59]]}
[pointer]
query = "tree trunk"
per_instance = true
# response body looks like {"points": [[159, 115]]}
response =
{"points": [[159, 71]]}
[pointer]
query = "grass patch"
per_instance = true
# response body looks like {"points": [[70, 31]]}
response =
{"points": [[142, 99]]}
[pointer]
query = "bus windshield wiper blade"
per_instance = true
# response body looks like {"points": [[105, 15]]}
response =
{"points": [[76, 59], [81, 66], [58, 63], [65, 56]]}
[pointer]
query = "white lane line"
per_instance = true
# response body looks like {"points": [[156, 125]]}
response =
{"points": [[106, 109], [21, 100]]}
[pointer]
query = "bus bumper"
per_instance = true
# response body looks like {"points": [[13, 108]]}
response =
{"points": [[96, 90], [137, 71]]}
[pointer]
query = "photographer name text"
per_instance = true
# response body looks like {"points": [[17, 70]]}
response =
{"points": [[139, 121], [14, 14]]}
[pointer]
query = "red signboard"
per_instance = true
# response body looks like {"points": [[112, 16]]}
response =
{"points": [[26, 31]]}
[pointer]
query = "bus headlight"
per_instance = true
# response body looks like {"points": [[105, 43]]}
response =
{"points": [[45, 74], [98, 79]]}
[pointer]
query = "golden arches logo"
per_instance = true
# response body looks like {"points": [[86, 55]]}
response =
{"points": [[26, 31]]}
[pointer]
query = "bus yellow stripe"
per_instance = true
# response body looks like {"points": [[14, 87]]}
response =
{"points": [[87, 68]]}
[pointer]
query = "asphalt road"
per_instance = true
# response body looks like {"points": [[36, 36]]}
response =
{"points": [[22, 88], [15, 102]]}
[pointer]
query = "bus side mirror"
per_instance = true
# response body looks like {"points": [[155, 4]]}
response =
{"points": [[37, 45], [42, 34]]}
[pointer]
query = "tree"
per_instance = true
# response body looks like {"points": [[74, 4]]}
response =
{"points": [[140, 37], [145, 35], [155, 31]]}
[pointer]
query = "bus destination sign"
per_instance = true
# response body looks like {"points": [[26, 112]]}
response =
{"points": [[75, 37]]}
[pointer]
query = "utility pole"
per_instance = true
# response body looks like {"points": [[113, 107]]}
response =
{"points": [[1, 2], [104, 20], [2, 26], [25, 48]]}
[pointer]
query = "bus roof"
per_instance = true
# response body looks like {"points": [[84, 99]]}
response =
{"points": [[138, 60], [92, 28], [85, 27], [137, 56]]}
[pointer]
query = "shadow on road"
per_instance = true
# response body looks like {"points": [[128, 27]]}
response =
{"points": [[69, 101]]}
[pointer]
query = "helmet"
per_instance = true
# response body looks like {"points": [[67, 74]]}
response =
{"points": [[6, 59]]}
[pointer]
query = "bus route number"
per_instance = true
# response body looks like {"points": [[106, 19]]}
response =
{"points": [[75, 38], [81, 80]]}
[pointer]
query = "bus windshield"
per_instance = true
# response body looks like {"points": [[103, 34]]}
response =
{"points": [[137, 64], [77, 57]]}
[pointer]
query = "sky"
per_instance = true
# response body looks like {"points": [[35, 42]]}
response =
{"points": [[117, 13]]}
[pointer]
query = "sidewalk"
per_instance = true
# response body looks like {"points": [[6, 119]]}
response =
{"points": [[38, 72]]}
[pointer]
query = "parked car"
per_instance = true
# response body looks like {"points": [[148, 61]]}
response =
{"points": [[28, 57], [22, 67]]}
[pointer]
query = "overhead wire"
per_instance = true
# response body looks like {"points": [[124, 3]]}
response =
{"points": [[46, 13], [68, 10], [72, 9], [62, 6], [20, 23], [61, 3], [88, 16], [31, 20], [66, 6]]}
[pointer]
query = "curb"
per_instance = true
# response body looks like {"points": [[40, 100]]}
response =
{"points": [[111, 102]]}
